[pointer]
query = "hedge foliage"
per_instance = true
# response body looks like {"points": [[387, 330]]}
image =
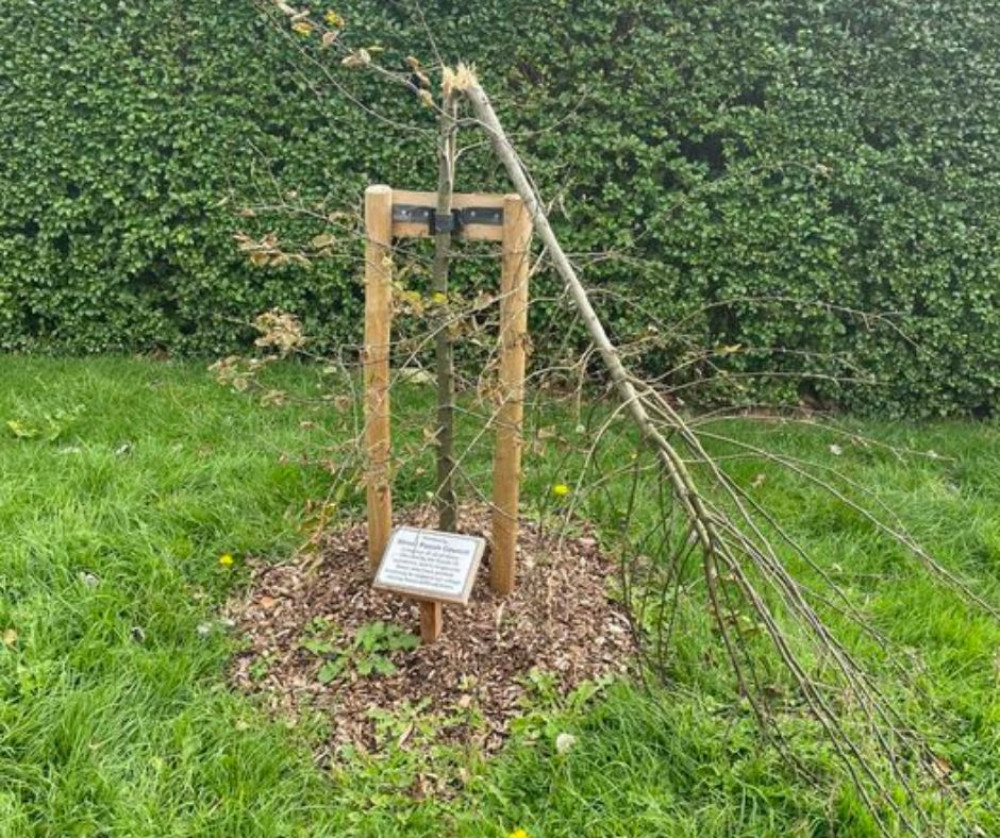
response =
{"points": [[766, 170]]}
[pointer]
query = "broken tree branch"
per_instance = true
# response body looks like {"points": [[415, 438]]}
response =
{"points": [[737, 555]]}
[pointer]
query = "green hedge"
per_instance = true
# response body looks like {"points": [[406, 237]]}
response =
{"points": [[754, 158]]}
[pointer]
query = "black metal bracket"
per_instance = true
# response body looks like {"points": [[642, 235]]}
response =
{"points": [[448, 223], [451, 223]]}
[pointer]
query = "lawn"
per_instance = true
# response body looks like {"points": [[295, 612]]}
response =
{"points": [[123, 481]]}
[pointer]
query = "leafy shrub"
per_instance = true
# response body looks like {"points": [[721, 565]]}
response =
{"points": [[751, 159]]}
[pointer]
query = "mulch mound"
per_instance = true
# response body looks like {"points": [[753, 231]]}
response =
{"points": [[559, 620]]}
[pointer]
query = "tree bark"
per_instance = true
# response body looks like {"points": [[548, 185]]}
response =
{"points": [[444, 350]]}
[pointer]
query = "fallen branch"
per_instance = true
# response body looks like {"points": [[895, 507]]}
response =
{"points": [[738, 560]]}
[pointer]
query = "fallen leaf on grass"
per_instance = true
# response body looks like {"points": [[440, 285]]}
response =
{"points": [[941, 767], [21, 430]]}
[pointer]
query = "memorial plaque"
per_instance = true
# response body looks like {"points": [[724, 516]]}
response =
{"points": [[431, 565]]}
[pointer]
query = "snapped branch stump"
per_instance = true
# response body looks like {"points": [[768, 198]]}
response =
{"points": [[396, 213]]}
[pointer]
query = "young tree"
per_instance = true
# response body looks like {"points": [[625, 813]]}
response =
{"points": [[445, 355]]}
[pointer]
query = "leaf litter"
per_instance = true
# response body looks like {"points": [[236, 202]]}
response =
{"points": [[561, 620]]}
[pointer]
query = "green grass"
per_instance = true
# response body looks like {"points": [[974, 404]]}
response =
{"points": [[115, 718]]}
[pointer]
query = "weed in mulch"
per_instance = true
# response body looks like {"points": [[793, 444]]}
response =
{"points": [[319, 638]]}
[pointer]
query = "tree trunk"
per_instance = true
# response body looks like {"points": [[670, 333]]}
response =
{"points": [[444, 351]]}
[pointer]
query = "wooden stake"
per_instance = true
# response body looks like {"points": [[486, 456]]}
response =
{"points": [[513, 337], [375, 359], [431, 621]]}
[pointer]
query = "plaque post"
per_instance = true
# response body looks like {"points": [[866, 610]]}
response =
{"points": [[431, 621]]}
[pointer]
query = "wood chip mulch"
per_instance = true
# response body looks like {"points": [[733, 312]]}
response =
{"points": [[559, 620]]}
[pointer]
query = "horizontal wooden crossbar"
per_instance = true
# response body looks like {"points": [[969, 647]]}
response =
{"points": [[460, 200]]}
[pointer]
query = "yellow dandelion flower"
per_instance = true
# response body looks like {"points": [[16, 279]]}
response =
{"points": [[226, 560], [439, 297], [518, 833], [333, 19], [303, 27], [560, 490]]}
